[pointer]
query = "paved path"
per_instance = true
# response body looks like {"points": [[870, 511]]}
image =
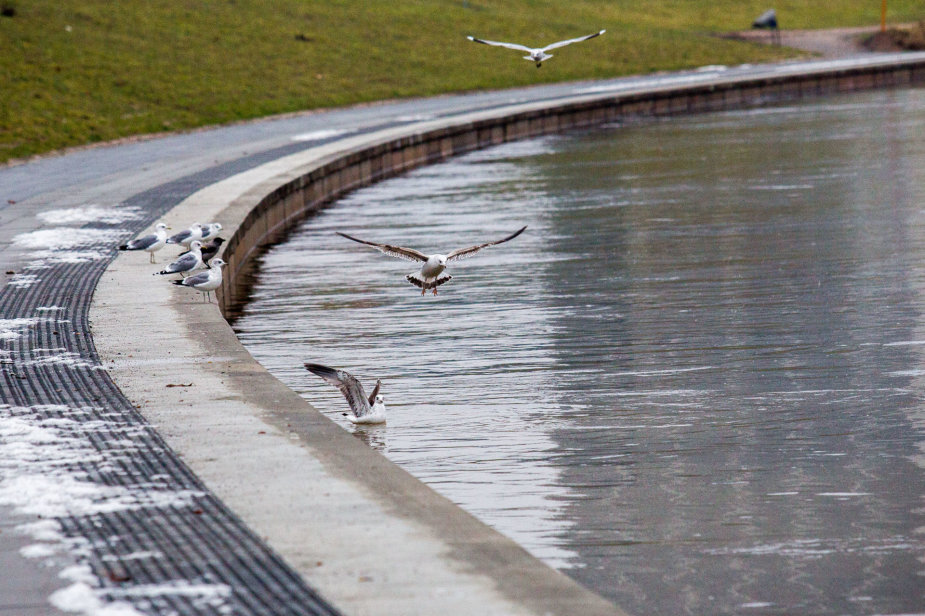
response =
{"points": [[95, 496]]}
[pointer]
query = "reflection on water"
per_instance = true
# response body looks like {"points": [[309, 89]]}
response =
{"points": [[695, 383]]}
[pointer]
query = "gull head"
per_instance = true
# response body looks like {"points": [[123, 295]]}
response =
{"points": [[380, 399], [161, 227], [195, 245], [216, 263]]}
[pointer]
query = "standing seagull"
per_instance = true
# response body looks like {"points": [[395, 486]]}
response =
{"points": [[187, 236], [151, 243], [431, 273], [369, 410], [205, 282], [210, 229], [190, 261], [536, 54]]}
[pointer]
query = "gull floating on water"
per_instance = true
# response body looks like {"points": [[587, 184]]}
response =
{"points": [[150, 243], [205, 282], [536, 54], [431, 275], [188, 262], [366, 410], [209, 249], [187, 236]]}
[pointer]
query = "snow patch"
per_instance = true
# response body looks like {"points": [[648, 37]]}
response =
{"points": [[23, 280], [44, 451], [11, 329], [90, 213]]}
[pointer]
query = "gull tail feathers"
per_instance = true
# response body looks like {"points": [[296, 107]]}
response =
{"points": [[420, 283]]}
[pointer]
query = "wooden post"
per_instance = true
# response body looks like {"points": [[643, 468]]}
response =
{"points": [[883, 15]]}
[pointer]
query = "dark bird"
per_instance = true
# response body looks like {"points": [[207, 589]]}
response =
{"points": [[209, 249]]}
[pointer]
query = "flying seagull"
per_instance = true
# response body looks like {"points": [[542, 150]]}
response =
{"points": [[186, 236], [536, 54], [205, 282], [366, 410], [151, 243], [190, 261], [431, 273]]}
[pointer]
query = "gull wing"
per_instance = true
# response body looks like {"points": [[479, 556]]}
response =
{"points": [[347, 384], [141, 243], [574, 40], [408, 254], [187, 261], [179, 237], [192, 281], [464, 253], [372, 396], [499, 44]]}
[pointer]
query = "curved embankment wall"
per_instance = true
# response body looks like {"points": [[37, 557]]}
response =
{"points": [[287, 204], [364, 533]]}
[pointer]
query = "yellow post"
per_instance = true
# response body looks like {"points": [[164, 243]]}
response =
{"points": [[883, 15]]}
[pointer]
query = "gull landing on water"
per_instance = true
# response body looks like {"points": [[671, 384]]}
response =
{"points": [[536, 54], [366, 410], [431, 275]]}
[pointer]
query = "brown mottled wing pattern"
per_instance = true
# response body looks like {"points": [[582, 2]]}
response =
{"points": [[372, 396], [465, 253], [408, 254], [347, 384]]}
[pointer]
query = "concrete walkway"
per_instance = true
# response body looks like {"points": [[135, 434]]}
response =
{"points": [[169, 472]]}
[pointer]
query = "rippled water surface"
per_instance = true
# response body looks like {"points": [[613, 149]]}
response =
{"points": [[695, 383]]}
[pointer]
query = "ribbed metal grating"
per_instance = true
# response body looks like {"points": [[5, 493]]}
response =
{"points": [[167, 545]]}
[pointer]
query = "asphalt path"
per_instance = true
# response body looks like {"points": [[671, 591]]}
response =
{"points": [[148, 176]]}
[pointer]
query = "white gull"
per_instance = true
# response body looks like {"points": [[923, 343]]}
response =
{"points": [[366, 410], [431, 275], [536, 54], [187, 236], [150, 243], [188, 262], [205, 282]]}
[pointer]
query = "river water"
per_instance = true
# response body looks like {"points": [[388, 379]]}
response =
{"points": [[695, 383]]}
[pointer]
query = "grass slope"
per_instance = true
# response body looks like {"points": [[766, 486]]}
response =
{"points": [[80, 72]]}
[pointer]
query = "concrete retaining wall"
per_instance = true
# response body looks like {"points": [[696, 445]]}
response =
{"points": [[289, 203]]}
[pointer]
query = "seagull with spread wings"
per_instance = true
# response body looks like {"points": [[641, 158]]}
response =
{"points": [[431, 275], [366, 410], [536, 54]]}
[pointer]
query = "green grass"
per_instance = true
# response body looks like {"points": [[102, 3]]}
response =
{"points": [[80, 72]]}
